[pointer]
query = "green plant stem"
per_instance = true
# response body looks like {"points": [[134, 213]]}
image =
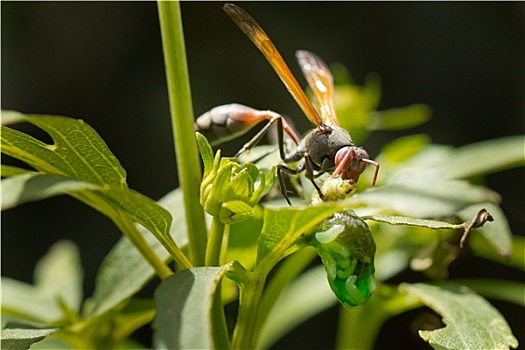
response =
{"points": [[245, 327], [358, 328], [221, 338], [180, 259], [218, 231], [286, 273], [214, 247], [136, 238], [188, 163]]}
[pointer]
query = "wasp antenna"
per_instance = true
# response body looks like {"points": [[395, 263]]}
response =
{"points": [[376, 164]]}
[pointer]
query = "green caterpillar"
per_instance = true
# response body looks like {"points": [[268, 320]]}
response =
{"points": [[346, 246]]}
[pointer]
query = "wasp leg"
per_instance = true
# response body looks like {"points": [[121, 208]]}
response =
{"points": [[282, 125], [311, 176], [305, 165], [319, 173], [282, 185]]}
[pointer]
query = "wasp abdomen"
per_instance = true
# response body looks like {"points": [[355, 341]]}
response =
{"points": [[227, 122]]}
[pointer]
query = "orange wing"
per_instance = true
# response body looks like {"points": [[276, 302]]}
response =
{"points": [[257, 35], [322, 84]]}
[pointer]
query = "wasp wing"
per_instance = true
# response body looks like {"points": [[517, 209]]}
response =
{"points": [[321, 82], [257, 35]]}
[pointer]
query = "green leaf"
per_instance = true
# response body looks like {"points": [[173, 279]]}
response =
{"points": [[52, 343], [122, 205], [59, 274], [402, 149], [242, 242], [24, 188], [137, 313], [470, 321], [283, 226], [421, 193], [184, 308], [58, 283], [21, 338], [26, 302], [400, 118], [8, 170], [479, 158], [406, 221], [35, 186], [486, 157], [509, 291], [78, 151], [124, 271], [206, 153], [119, 204], [142, 210], [12, 117]]}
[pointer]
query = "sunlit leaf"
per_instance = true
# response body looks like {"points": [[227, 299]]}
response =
{"points": [[424, 193], [12, 117], [400, 118], [57, 283], [242, 244], [59, 274], [30, 187], [403, 148], [35, 186], [78, 151], [26, 302], [184, 308], [470, 321], [479, 158], [137, 313], [124, 271], [8, 170], [282, 226], [487, 157], [52, 343], [504, 290], [141, 209], [21, 339], [403, 220]]}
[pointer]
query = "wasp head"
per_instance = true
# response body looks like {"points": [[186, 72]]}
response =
{"points": [[351, 162]]}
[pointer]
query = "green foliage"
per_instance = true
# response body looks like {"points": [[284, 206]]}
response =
{"points": [[257, 250], [185, 308], [470, 321], [21, 339]]}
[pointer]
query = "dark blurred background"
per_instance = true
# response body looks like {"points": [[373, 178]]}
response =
{"points": [[102, 62]]}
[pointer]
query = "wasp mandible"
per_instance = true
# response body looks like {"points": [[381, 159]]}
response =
{"points": [[327, 148]]}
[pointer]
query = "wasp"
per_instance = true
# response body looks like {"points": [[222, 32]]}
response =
{"points": [[327, 148]]}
